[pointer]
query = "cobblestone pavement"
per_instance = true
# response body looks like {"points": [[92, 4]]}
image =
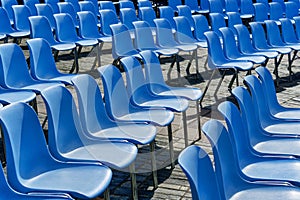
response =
{"points": [[172, 183]]}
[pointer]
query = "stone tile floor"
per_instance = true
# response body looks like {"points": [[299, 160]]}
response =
{"points": [[172, 183]]}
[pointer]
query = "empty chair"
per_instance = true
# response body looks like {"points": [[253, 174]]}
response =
{"points": [[215, 6], [31, 5], [42, 63], [174, 3], [265, 2], [185, 11], [297, 25], [291, 9], [232, 52], [144, 3], [75, 4], [126, 4], [15, 74], [276, 12], [218, 61], [288, 32], [201, 26], [127, 16], [148, 14], [24, 138], [66, 32], [7, 5], [53, 5], [165, 40], [157, 85], [121, 42], [119, 108], [281, 2], [195, 8], [217, 21], [69, 143], [95, 5], [107, 18], [260, 12], [233, 7], [66, 7], [46, 10], [247, 7], [89, 6], [107, 5], [41, 28], [168, 13], [233, 19], [232, 183], [21, 15]]}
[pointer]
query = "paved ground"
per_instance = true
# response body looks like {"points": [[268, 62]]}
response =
{"points": [[173, 183]]}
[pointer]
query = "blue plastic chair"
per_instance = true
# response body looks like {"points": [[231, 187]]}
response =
{"points": [[168, 13], [233, 19], [156, 84], [6, 29], [89, 6], [88, 29], [261, 141], [174, 3], [144, 40], [42, 63], [164, 39], [7, 5], [291, 9], [216, 6], [276, 109], [75, 4], [231, 50], [247, 7], [232, 185], [217, 21], [119, 108], [201, 26], [66, 7], [126, 4], [264, 2], [53, 5], [46, 10], [297, 25], [107, 5], [107, 18], [66, 32], [41, 28], [21, 15], [144, 3], [95, 4], [69, 143], [141, 95], [288, 31], [185, 11], [96, 122], [218, 61], [31, 6], [122, 44], [281, 2], [276, 12], [195, 8], [24, 138], [15, 74], [8, 96], [197, 166], [148, 14], [127, 16], [260, 12]]}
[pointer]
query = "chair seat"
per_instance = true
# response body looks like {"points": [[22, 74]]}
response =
{"points": [[255, 59], [2, 36], [87, 42], [68, 180], [188, 93], [288, 113], [186, 47], [281, 128], [279, 146], [64, 78], [269, 53], [177, 105], [63, 46], [166, 52], [38, 87], [294, 46], [105, 39], [10, 96], [158, 117], [132, 132], [246, 16], [244, 66], [19, 34]]}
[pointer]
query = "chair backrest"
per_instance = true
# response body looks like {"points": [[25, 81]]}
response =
{"points": [[143, 35], [259, 38], [204, 5], [174, 3], [53, 5], [297, 26], [229, 43], [14, 66], [276, 11], [265, 2], [197, 166], [231, 6], [184, 10], [164, 35], [226, 166], [7, 5], [107, 5], [107, 18], [291, 9], [24, 138], [260, 12], [89, 6], [201, 26], [46, 10], [281, 2], [168, 13], [215, 52], [193, 4], [247, 7], [66, 7], [5, 26], [244, 40], [233, 19], [147, 14], [122, 44], [126, 4], [65, 28], [115, 95], [21, 14], [183, 33], [273, 33], [144, 3], [42, 63], [127, 16], [40, 28], [31, 5], [88, 25], [75, 4], [215, 6], [288, 31], [217, 21], [92, 112]]}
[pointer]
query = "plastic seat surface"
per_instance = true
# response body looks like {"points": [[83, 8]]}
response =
{"points": [[95, 120], [118, 104], [233, 185], [8, 96], [15, 74], [24, 138]]}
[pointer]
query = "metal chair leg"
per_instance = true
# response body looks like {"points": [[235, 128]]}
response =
{"points": [[106, 194], [206, 87], [185, 130], [154, 166], [198, 118], [219, 84], [133, 181], [171, 147]]}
